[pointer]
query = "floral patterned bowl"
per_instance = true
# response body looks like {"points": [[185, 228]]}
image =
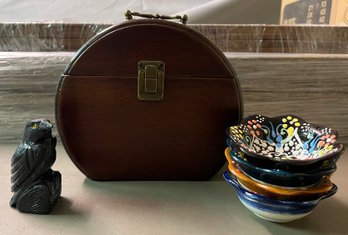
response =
{"points": [[320, 165], [272, 209], [275, 176], [285, 140]]}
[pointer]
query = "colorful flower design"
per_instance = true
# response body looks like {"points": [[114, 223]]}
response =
{"points": [[326, 140], [290, 124], [236, 131], [254, 127], [285, 137]]}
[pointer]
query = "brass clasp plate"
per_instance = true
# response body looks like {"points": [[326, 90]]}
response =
{"points": [[151, 80]]}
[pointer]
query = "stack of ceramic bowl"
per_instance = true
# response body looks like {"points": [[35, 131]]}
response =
{"points": [[281, 166]]}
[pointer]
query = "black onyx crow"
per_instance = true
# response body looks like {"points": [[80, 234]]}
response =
{"points": [[36, 188]]}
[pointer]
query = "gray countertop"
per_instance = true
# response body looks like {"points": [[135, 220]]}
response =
{"points": [[142, 207]]}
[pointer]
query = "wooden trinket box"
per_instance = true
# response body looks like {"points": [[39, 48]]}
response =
{"points": [[148, 99]]}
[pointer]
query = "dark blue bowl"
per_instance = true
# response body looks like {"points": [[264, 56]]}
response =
{"points": [[272, 209], [280, 177]]}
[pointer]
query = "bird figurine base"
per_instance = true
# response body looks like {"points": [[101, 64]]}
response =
{"points": [[36, 187]]}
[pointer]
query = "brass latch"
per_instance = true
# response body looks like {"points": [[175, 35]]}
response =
{"points": [[151, 80]]}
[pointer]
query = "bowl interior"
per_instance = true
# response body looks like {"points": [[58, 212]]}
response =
{"points": [[284, 138]]}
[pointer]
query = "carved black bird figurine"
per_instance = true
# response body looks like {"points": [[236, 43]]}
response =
{"points": [[35, 186]]}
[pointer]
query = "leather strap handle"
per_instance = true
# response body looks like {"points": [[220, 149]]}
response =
{"points": [[129, 15]]}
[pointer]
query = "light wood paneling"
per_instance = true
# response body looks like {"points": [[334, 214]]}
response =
{"points": [[313, 86], [229, 38]]}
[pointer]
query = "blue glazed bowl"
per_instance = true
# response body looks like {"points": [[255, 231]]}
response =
{"points": [[272, 209], [280, 177]]}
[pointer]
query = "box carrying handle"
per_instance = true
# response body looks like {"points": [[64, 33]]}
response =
{"points": [[129, 15]]}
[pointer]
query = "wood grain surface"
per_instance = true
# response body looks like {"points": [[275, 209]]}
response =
{"points": [[229, 38], [98, 97], [313, 86]]}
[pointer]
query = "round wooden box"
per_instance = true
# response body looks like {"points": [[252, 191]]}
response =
{"points": [[147, 100]]}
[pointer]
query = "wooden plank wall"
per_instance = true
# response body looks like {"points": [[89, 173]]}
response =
{"points": [[299, 70], [312, 86], [309, 85], [229, 38]]}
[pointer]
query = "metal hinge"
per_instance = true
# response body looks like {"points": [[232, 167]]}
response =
{"points": [[151, 80]]}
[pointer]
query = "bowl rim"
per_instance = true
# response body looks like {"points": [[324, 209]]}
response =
{"points": [[297, 161], [268, 163], [324, 185], [232, 179], [339, 145], [280, 172]]}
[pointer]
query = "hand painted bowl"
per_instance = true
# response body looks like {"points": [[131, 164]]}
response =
{"points": [[281, 165], [323, 186], [287, 142], [273, 209], [276, 176]]}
